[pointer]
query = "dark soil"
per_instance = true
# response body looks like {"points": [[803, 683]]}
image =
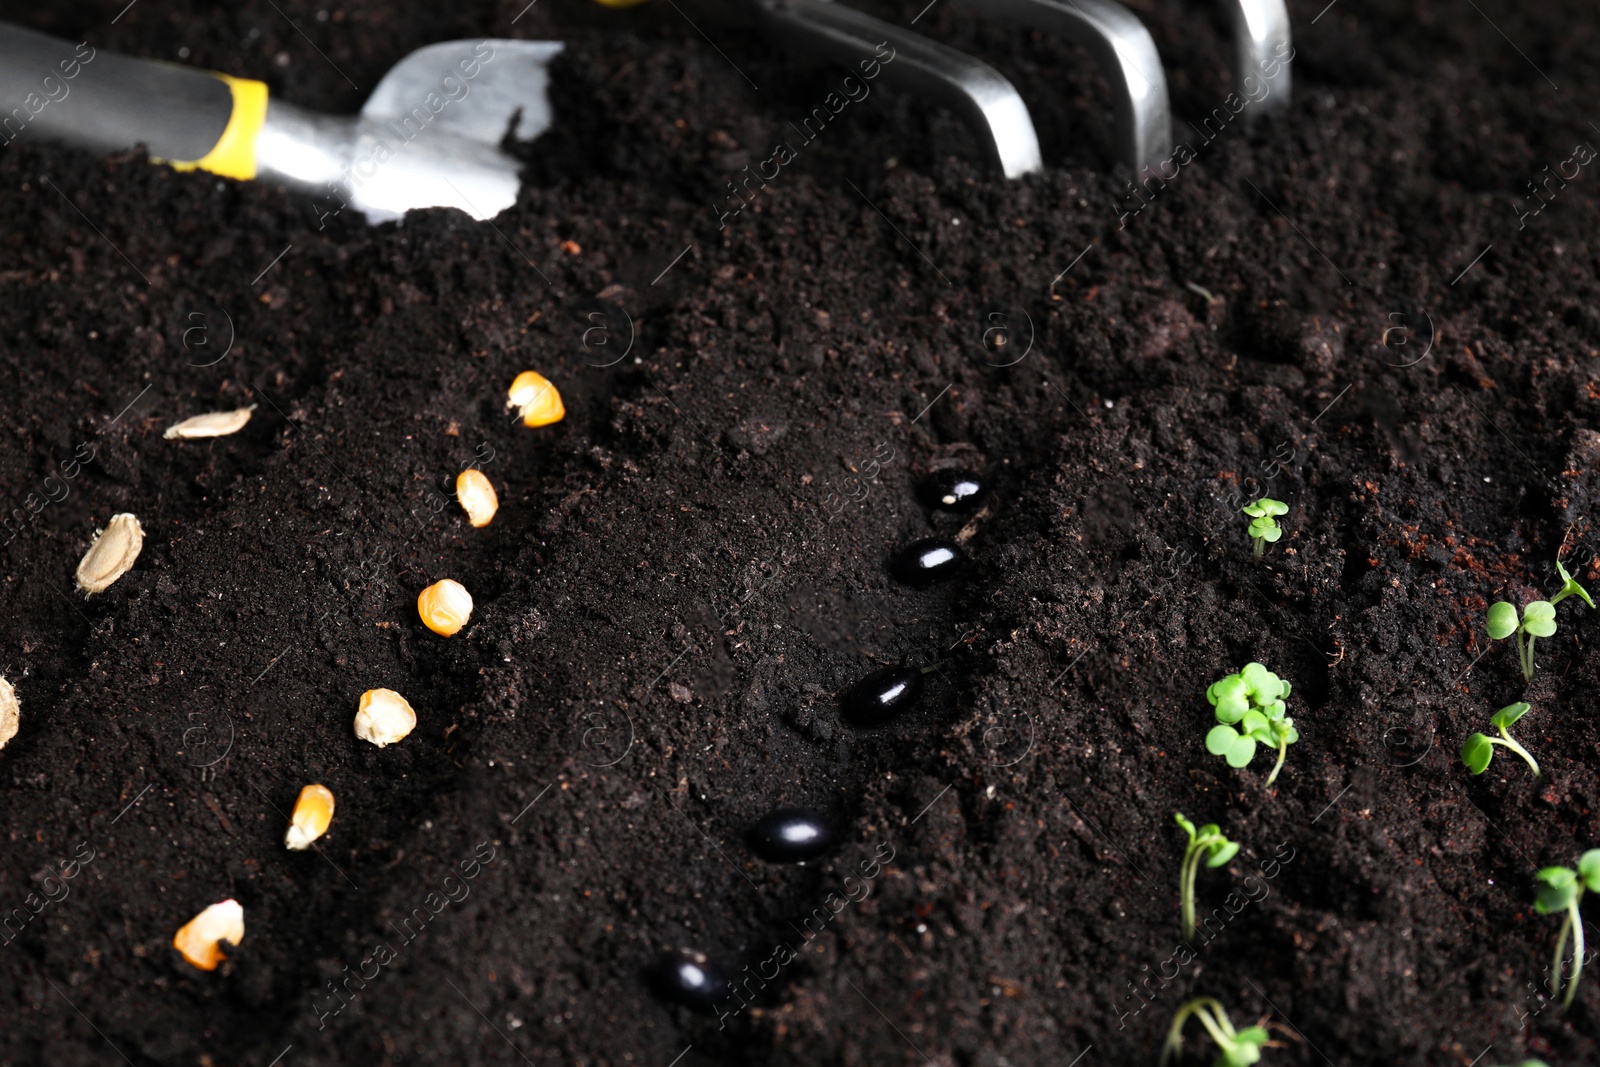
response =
{"points": [[687, 571]]}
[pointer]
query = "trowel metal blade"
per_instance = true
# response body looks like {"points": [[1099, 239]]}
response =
{"points": [[471, 89], [429, 135]]}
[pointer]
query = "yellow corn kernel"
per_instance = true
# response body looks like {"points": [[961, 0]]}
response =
{"points": [[200, 938], [384, 717], [445, 606], [477, 496], [536, 399], [312, 814]]}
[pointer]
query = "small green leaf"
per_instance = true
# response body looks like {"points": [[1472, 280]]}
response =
{"points": [[1231, 711], [1254, 509], [1274, 710], [1570, 587], [1210, 829], [1502, 620], [1273, 507], [1477, 753], [1589, 869], [1253, 720], [1253, 1035], [1242, 752], [1272, 535], [1188, 827], [1230, 696], [1220, 740], [1509, 714], [1285, 694], [1554, 896], [1539, 618], [1258, 680], [1221, 854], [1294, 735], [1556, 876]]}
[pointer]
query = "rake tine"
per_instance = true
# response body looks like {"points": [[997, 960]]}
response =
{"points": [[1260, 30], [1126, 56], [974, 90]]}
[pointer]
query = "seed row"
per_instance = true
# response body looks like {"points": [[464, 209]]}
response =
{"points": [[383, 717], [795, 835]]}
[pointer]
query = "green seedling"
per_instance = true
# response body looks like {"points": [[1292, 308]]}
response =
{"points": [[1479, 750], [1250, 711], [1263, 529], [1560, 889], [1235, 1048], [1538, 619], [1569, 587], [1206, 843]]}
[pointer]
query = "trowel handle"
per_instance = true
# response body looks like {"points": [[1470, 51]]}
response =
{"points": [[71, 93]]}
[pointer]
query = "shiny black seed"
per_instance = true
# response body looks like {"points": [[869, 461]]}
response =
{"points": [[882, 695], [925, 562], [953, 490], [689, 978], [789, 835]]}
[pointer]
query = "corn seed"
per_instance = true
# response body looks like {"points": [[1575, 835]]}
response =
{"points": [[112, 554], [445, 606], [477, 496], [211, 424], [200, 938], [312, 814], [384, 717], [536, 399], [10, 712]]}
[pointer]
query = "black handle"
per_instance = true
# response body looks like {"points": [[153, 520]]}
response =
{"points": [[71, 93]]}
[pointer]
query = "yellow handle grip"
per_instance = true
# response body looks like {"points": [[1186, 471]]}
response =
{"points": [[234, 154]]}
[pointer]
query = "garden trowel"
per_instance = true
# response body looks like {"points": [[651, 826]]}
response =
{"points": [[429, 135]]}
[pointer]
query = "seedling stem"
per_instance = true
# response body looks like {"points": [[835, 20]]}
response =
{"points": [[1538, 619], [1264, 528], [1561, 889], [1236, 1048], [1206, 843], [1477, 752], [1283, 750]]}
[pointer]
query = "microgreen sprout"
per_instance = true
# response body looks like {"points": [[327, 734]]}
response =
{"points": [[1538, 619], [1560, 889], [1250, 710], [1479, 750], [1235, 1048], [1264, 529], [1206, 843]]}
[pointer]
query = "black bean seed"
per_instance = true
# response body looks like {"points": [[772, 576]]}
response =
{"points": [[953, 490], [789, 835], [883, 695], [689, 978], [924, 562]]}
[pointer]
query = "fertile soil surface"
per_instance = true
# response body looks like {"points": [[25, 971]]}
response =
{"points": [[687, 571]]}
